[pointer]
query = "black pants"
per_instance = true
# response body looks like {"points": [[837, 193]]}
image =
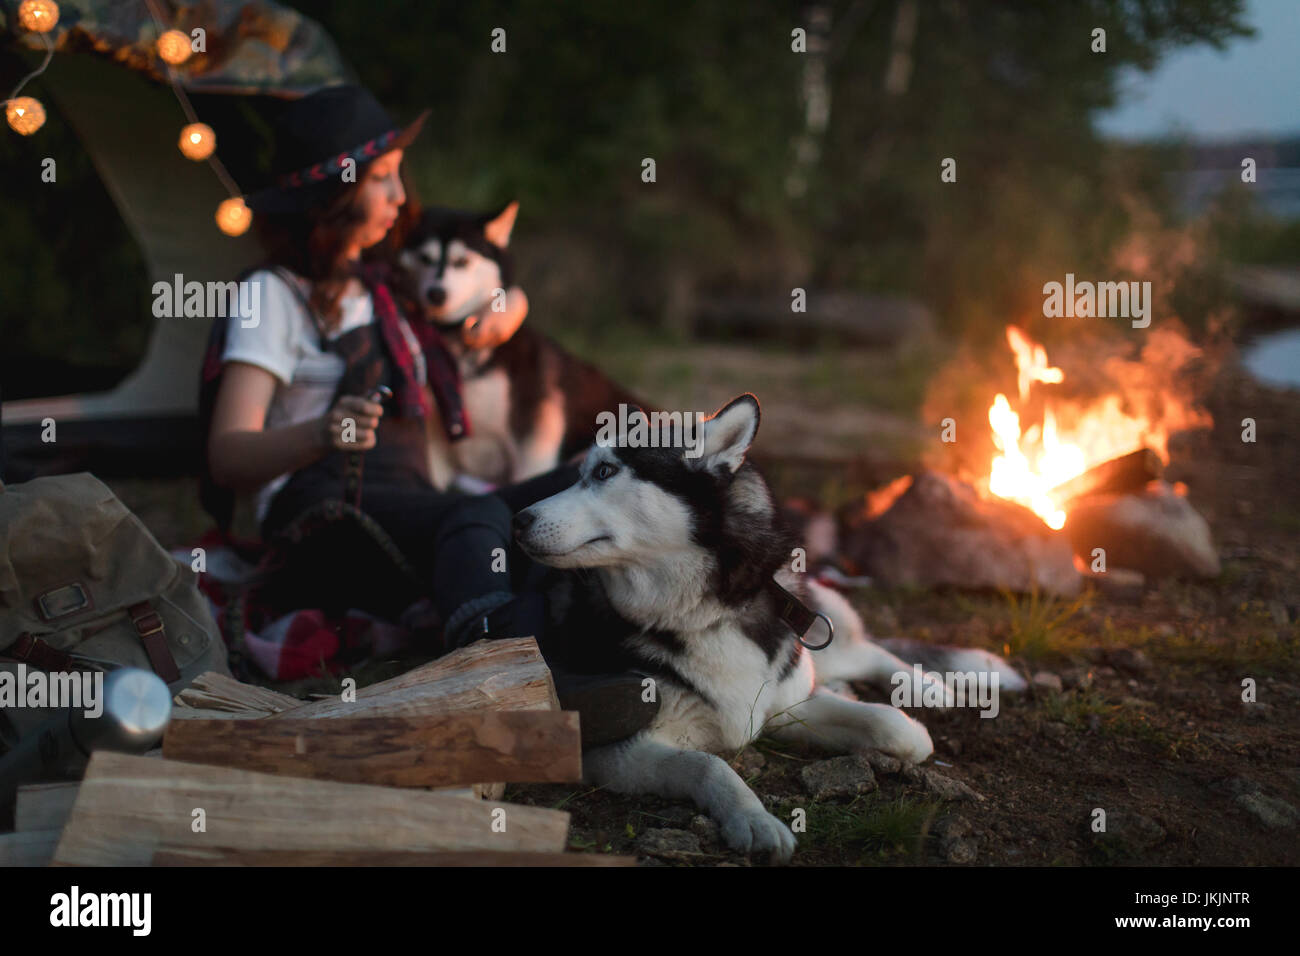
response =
{"points": [[451, 538]]}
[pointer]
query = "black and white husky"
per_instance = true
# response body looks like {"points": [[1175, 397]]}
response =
{"points": [[531, 404], [683, 548]]}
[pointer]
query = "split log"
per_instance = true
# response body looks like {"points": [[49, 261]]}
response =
{"points": [[486, 675], [1126, 473], [44, 806], [168, 855], [130, 806], [449, 749], [214, 695]]}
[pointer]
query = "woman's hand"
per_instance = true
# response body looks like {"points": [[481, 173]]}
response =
{"points": [[364, 417]]}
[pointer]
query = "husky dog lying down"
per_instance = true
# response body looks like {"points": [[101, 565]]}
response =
{"points": [[683, 550]]}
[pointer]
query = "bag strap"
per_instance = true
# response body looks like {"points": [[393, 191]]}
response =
{"points": [[317, 322], [32, 650], [149, 625]]}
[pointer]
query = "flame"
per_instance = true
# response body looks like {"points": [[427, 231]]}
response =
{"points": [[1070, 439]]}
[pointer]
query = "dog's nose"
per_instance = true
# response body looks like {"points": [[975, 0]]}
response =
{"points": [[523, 521], [436, 296]]}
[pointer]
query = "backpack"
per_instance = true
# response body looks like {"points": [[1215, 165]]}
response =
{"points": [[85, 586]]}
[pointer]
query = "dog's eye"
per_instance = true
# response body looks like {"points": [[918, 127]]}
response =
{"points": [[429, 260], [460, 263], [605, 471]]}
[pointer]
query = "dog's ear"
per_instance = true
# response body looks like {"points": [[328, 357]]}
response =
{"points": [[498, 227], [724, 439]]}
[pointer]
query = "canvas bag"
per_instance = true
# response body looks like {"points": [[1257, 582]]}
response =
{"points": [[85, 586]]}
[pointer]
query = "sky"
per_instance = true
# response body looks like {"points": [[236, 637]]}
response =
{"points": [[1250, 88]]}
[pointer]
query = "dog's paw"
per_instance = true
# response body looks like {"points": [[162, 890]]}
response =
{"points": [[897, 734], [757, 831]]}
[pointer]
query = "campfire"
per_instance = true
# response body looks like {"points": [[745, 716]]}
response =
{"points": [[1075, 448], [1070, 491]]}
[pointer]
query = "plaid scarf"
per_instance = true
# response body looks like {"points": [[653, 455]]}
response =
{"points": [[441, 371]]}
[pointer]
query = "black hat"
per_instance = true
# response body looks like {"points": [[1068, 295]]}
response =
{"points": [[313, 137]]}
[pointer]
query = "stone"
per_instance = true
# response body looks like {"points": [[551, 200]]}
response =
{"points": [[961, 850], [1272, 812], [706, 829], [1156, 532], [838, 777], [940, 532], [945, 788], [1130, 660], [668, 844], [1132, 830], [1046, 680], [882, 762], [1077, 678]]}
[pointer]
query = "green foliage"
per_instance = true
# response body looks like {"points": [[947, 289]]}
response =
{"points": [[712, 92]]}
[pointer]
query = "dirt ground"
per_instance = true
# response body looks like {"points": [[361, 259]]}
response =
{"points": [[1148, 723]]}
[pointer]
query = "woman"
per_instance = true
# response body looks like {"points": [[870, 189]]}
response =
{"points": [[293, 411], [297, 398]]}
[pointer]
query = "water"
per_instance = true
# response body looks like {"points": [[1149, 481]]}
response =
{"points": [[1275, 358]]}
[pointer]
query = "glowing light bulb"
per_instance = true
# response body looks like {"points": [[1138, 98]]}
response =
{"points": [[198, 141], [25, 114], [174, 47], [39, 16], [233, 217]]}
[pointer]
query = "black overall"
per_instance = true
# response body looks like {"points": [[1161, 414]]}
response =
{"points": [[449, 537]]}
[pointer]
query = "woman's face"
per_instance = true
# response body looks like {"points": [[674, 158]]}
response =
{"points": [[380, 194]]}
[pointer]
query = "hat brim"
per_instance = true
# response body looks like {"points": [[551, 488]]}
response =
{"points": [[279, 199]]}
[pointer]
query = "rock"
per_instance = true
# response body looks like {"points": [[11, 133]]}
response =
{"points": [[1077, 678], [952, 826], [838, 777], [1132, 830], [1166, 631], [1156, 532], [668, 844], [882, 762], [1130, 660], [1270, 811], [945, 788], [940, 532], [749, 763], [1120, 584], [961, 850], [1236, 785], [706, 829], [1047, 681]]}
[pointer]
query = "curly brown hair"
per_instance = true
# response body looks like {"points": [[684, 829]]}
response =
{"points": [[312, 243]]}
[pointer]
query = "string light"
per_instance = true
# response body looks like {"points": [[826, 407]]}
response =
{"points": [[233, 217], [174, 47], [25, 115], [197, 141], [39, 16]]}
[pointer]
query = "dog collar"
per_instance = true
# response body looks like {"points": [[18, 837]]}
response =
{"points": [[798, 616]]}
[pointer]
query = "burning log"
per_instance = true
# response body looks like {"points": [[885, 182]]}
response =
{"points": [[1126, 473]]}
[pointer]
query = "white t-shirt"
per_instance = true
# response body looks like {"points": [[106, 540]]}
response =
{"points": [[285, 343]]}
